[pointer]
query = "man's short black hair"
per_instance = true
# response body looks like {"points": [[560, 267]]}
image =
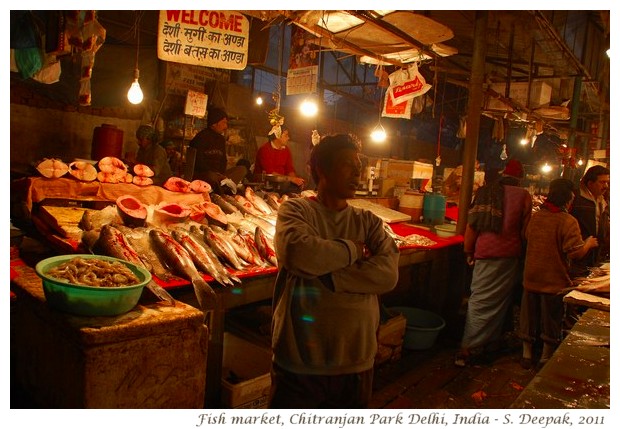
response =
{"points": [[560, 192], [323, 153], [593, 173]]}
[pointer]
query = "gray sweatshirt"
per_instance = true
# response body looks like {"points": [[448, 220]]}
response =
{"points": [[326, 310]]}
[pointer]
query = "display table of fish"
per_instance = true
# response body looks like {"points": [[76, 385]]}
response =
{"points": [[232, 241]]}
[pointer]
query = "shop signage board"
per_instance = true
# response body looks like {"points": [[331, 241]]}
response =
{"points": [[181, 78], [207, 38], [196, 104]]}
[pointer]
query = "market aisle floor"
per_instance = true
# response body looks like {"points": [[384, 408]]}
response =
{"points": [[428, 379]]}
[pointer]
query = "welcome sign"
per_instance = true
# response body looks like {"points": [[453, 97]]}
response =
{"points": [[207, 38]]}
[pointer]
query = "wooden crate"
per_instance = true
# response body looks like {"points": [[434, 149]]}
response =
{"points": [[390, 339]]}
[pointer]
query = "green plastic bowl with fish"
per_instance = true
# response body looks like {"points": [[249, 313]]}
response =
{"points": [[83, 300]]}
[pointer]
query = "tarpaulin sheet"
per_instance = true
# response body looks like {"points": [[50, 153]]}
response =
{"points": [[37, 189]]}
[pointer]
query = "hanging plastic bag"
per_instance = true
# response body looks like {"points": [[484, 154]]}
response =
{"points": [[407, 84], [49, 74], [400, 110]]}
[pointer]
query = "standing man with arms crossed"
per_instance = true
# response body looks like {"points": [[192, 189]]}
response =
{"points": [[334, 262]]}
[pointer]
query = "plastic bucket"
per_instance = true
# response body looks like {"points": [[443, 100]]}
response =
{"points": [[434, 210], [412, 203], [422, 329], [107, 141]]}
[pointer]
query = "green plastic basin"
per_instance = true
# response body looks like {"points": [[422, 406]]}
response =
{"points": [[90, 300]]}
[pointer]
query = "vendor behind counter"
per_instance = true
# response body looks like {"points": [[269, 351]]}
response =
{"points": [[451, 188]]}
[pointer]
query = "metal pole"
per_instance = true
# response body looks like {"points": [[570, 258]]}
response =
{"points": [[575, 104], [473, 117]]}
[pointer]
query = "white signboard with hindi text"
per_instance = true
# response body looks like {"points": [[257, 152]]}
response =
{"points": [[207, 38], [196, 104]]}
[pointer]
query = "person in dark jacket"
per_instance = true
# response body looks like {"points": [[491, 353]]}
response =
{"points": [[592, 213], [210, 147]]}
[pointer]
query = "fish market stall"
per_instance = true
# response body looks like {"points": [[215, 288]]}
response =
{"points": [[207, 251]]}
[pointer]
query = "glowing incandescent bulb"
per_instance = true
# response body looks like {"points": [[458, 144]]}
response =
{"points": [[135, 95], [378, 135], [309, 108]]}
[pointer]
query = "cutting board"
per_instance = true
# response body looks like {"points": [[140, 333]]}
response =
{"points": [[63, 220], [387, 214]]}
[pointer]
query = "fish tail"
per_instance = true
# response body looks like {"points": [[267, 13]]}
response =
{"points": [[206, 296]]}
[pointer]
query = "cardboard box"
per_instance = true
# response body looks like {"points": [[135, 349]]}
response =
{"points": [[246, 373], [540, 95], [398, 170], [390, 339]]}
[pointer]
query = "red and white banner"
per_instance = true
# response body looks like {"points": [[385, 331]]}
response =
{"points": [[208, 38]]}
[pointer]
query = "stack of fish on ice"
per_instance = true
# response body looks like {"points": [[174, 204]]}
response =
{"points": [[219, 237]]}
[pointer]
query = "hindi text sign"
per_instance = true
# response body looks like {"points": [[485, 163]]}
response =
{"points": [[211, 38], [196, 104]]}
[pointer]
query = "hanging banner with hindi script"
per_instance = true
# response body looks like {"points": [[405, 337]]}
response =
{"points": [[207, 38]]}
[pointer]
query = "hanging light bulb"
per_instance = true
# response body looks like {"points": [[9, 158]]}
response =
{"points": [[135, 95], [378, 134], [309, 108], [524, 141], [580, 162], [546, 168], [259, 100]]}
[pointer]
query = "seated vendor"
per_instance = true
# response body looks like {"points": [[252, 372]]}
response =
{"points": [[152, 154], [274, 157]]}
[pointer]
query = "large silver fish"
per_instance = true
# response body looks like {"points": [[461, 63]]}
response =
{"points": [[272, 200], [250, 243], [268, 228], [177, 258], [204, 258], [113, 242], [141, 241], [265, 247], [226, 206], [247, 206], [222, 248], [240, 246], [257, 201], [232, 201]]}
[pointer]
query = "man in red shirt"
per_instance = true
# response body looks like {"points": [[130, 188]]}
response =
{"points": [[274, 157]]}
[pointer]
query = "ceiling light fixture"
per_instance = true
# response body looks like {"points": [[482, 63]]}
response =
{"points": [[309, 108], [135, 95], [524, 141], [259, 100], [546, 168], [378, 134]]}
